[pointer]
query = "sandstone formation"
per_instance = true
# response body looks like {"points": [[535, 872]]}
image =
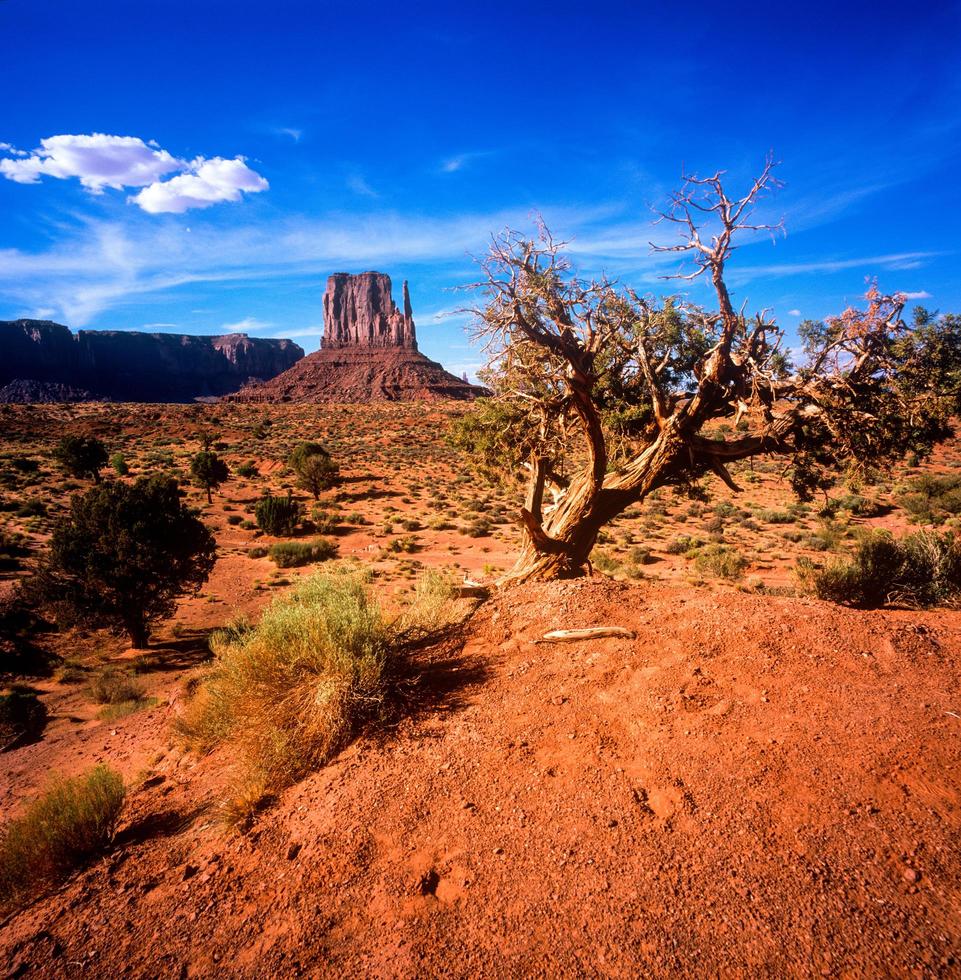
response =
{"points": [[44, 358], [368, 353], [359, 311]]}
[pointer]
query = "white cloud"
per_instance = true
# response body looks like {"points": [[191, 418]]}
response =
{"points": [[99, 161], [920, 294], [294, 134], [210, 182], [793, 312]]}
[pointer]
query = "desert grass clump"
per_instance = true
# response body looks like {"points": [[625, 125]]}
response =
{"points": [[922, 569], [114, 686], [294, 554], [721, 561], [290, 691], [70, 822]]}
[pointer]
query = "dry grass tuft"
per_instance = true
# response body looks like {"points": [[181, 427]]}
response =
{"points": [[289, 692], [73, 820]]}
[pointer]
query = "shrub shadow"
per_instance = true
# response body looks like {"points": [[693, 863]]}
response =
{"points": [[433, 676], [166, 823]]}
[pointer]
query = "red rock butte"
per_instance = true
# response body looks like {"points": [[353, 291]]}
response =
{"points": [[368, 353]]}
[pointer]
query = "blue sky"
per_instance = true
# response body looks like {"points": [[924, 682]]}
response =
{"points": [[327, 136]]}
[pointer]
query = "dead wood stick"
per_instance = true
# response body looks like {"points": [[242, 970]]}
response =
{"points": [[587, 633]]}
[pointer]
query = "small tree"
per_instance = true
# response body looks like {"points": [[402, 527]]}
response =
{"points": [[208, 471], [603, 396], [81, 456], [314, 468], [123, 555]]}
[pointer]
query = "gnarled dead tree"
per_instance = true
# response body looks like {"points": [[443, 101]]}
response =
{"points": [[603, 396]]}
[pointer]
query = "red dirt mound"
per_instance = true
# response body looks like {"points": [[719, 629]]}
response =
{"points": [[360, 375], [752, 786]]}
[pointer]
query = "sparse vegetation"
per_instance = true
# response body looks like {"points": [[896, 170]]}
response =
{"points": [[112, 685], [208, 471], [314, 468], [721, 561], [931, 499], [290, 691], [22, 715]]}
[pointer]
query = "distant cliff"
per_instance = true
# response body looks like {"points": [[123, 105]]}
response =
{"points": [[45, 357]]}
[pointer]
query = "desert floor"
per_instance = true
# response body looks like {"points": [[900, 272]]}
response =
{"points": [[759, 783]]}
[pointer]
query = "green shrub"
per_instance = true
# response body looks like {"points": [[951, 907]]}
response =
{"points": [[293, 554], [34, 507], [721, 561], [278, 516], [119, 464], [70, 822], [246, 470], [679, 546], [314, 468], [922, 569], [325, 521], [208, 471], [932, 499], [407, 544], [22, 714]]}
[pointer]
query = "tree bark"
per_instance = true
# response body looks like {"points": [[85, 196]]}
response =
{"points": [[138, 633], [561, 547]]}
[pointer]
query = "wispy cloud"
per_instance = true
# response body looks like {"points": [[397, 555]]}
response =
{"points": [[917, 294], [294, 134], [793, 312], [249, 324], [96, 265], [892, 261], [453, 164], [360, 186]]}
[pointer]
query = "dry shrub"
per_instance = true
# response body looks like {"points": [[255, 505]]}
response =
{"points": [[114, 686], [433, 606], [73, 820], [922, 569], [289, 692]]}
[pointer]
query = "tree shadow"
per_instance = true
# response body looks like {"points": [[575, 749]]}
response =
{"points": [[20, 654], [190, 649]]}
